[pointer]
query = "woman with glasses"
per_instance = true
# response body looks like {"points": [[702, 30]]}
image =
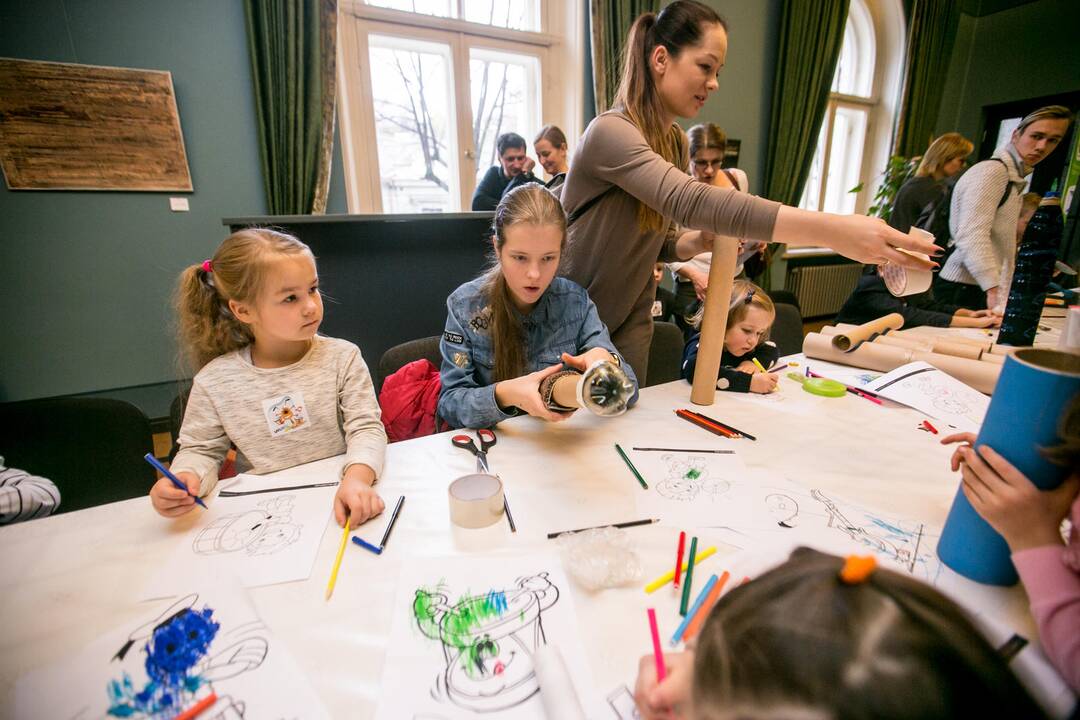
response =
{"points": [[944, 159]]}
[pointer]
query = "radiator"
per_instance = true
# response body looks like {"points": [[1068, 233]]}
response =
{"points": [[822, 289]]}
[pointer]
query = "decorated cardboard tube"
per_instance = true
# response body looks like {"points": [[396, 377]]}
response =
{"points": [[714, 320], [603, 389], [883, 358], [851, 339]]}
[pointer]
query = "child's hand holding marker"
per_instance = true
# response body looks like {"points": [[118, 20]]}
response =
{"points": [[169, 500], [670, 697], [763, 382]]}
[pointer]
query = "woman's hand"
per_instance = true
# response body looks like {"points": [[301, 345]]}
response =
{"points": [[1024, 515], [584, 360], [356, 499], [859, 237], [669, 699], [700, 280], [171, 501], [524, 393]]}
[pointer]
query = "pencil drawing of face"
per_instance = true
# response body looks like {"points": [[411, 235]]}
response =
{"points": [[263, 530], [783, 508]]}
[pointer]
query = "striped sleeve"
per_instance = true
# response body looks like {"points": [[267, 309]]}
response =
{"points": [[24, 496]]}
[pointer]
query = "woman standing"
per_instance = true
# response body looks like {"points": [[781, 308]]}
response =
{"points": [[945, 157], [628, 188]]}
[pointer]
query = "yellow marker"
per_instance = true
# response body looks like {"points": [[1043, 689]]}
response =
{"points": [[337, 561], [670, 574], [758, 364]]}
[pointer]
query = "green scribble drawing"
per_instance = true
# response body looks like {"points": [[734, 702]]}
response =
{"points": [[693, 474]]}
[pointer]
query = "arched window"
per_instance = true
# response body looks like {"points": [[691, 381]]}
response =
{"points": [[854, 140]]}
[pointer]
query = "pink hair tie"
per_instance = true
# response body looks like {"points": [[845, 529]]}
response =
{"points": [[207, 266]]}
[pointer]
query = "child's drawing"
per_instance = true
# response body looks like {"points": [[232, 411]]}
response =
{"points": [[899, 541], [487, 641], [931, 391], [688, 477], [784, 508], [262, 530]]}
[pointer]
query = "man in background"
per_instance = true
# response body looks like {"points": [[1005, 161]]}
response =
{"points": [[514, 169]]}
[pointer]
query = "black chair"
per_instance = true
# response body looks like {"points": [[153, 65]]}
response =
{"points": [[92, 448], [665, 354], [401, 355], [787, 330]]}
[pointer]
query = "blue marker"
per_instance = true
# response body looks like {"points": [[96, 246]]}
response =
{"points": [[367, 546], [172, 478], [693, 610]]}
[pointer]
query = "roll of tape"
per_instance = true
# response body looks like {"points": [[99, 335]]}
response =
{"points": [[476, 501], [902, 282]]}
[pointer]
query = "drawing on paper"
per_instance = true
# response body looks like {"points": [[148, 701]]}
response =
{"points": [[900, 541], [179, 666], [686, 478], [487, 641], [621, 702], [262, 530], [950, 401], [784, 508]]}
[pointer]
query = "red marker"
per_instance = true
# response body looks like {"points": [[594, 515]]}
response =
{"points": [[926, 424], [678, 557]]}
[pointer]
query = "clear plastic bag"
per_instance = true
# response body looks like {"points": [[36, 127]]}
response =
{"points": [[600, 558]]}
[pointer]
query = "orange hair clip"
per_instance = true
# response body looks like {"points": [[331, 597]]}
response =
{"points": [[857, 568]]}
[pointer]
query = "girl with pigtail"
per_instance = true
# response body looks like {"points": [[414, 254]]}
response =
{"points": [[266, 381]]}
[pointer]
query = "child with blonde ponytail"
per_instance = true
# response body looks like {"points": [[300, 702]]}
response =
{"points": [[266, 381]]}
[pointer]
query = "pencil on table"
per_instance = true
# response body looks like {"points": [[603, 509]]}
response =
{"points": [[667, 577], [337, 560], [689, 577]]}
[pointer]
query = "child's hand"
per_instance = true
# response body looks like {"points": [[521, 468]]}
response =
{"points": [[584, 360], [524, 393], [763, 383], [355, 498], [669, 699], [1024, 515], [171, 501]]}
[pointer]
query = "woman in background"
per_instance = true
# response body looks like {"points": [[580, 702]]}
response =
{"points": [[944, 159]]}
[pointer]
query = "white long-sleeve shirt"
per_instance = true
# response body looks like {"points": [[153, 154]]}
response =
{"points": [[322, 405], [985, 234], [24, 496]]}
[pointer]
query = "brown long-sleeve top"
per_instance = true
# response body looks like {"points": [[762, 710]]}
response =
{"points": [[607, 253]]}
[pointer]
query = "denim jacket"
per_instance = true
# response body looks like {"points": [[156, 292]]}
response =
{"points": [[564, 320]]}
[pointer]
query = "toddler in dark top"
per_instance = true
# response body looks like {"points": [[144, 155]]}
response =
{"points": [[750, 316]]}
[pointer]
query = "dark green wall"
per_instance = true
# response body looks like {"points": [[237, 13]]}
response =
{"points": [[1021, 52]]}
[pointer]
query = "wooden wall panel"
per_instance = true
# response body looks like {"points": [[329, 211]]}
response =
{"points": [[86, 127]]}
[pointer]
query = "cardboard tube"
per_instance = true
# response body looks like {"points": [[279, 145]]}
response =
{"points": [[992, 358], [980, 375], [851, 339], [905, 342], [564, 389], [714, 322], [983, 345], [932, 344]]}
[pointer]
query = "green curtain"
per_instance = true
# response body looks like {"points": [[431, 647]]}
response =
{"points": [[611, 21], [811, 33], [293, 46], [931, 35]]}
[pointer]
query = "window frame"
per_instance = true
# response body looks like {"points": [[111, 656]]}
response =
{"points": [[557, 47]]}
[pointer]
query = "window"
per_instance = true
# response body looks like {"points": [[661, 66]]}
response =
{"points": [[854, 139], [430, 84]]}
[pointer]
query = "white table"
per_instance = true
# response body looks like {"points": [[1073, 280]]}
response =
{"points": [[68, 578]]}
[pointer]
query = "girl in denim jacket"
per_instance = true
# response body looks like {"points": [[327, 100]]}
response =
{"points": [[517, 323]]}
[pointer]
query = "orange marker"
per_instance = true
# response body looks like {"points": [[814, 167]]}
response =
{"points": [[195, 710], [703, 611]]}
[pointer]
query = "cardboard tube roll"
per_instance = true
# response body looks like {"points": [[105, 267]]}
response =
{"points": [[904, 342], [983, 345], [851, 339], [564, 389], [714, 321], [992, 358], [932, 344], [980, 375]]}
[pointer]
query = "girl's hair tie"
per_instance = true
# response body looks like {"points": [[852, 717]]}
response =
{"points": [[857, 568], [749, 296], [207, 266]]}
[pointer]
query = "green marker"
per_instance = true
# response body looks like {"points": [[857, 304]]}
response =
{"points": [[631, 466], [689, 577]]}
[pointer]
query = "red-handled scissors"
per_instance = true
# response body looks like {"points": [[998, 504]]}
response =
{"points": [[487, 439]]}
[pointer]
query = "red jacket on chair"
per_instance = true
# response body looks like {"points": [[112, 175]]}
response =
{"points": [[409, 399]]}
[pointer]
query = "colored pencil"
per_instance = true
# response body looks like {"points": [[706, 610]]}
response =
{"points": [[632, 523], [670, 574], [678, 557], [689, 577], [509, 517], [366, 545], [241, 493], [197, 709], [715, 429], [703, 611], [661, 671], [177, 482], [686, 450], [631, 466], [693, 610], [390, 525], [732, 428], [337, 560]]}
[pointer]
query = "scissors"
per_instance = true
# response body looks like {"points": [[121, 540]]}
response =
{"points": [[487, 439]]}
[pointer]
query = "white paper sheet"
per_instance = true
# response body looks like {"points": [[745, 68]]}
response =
{"points": [[259, 539], [463, 634], [937, 394], [691, 488], [167, 659]]}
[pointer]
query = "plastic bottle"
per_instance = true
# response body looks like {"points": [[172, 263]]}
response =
{"points": [[1034, 268]]}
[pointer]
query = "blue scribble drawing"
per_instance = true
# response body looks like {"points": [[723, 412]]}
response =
{"points": [[180, 668]]}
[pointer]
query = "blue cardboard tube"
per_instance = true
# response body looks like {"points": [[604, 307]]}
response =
{"points": [[1034, 388]]}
